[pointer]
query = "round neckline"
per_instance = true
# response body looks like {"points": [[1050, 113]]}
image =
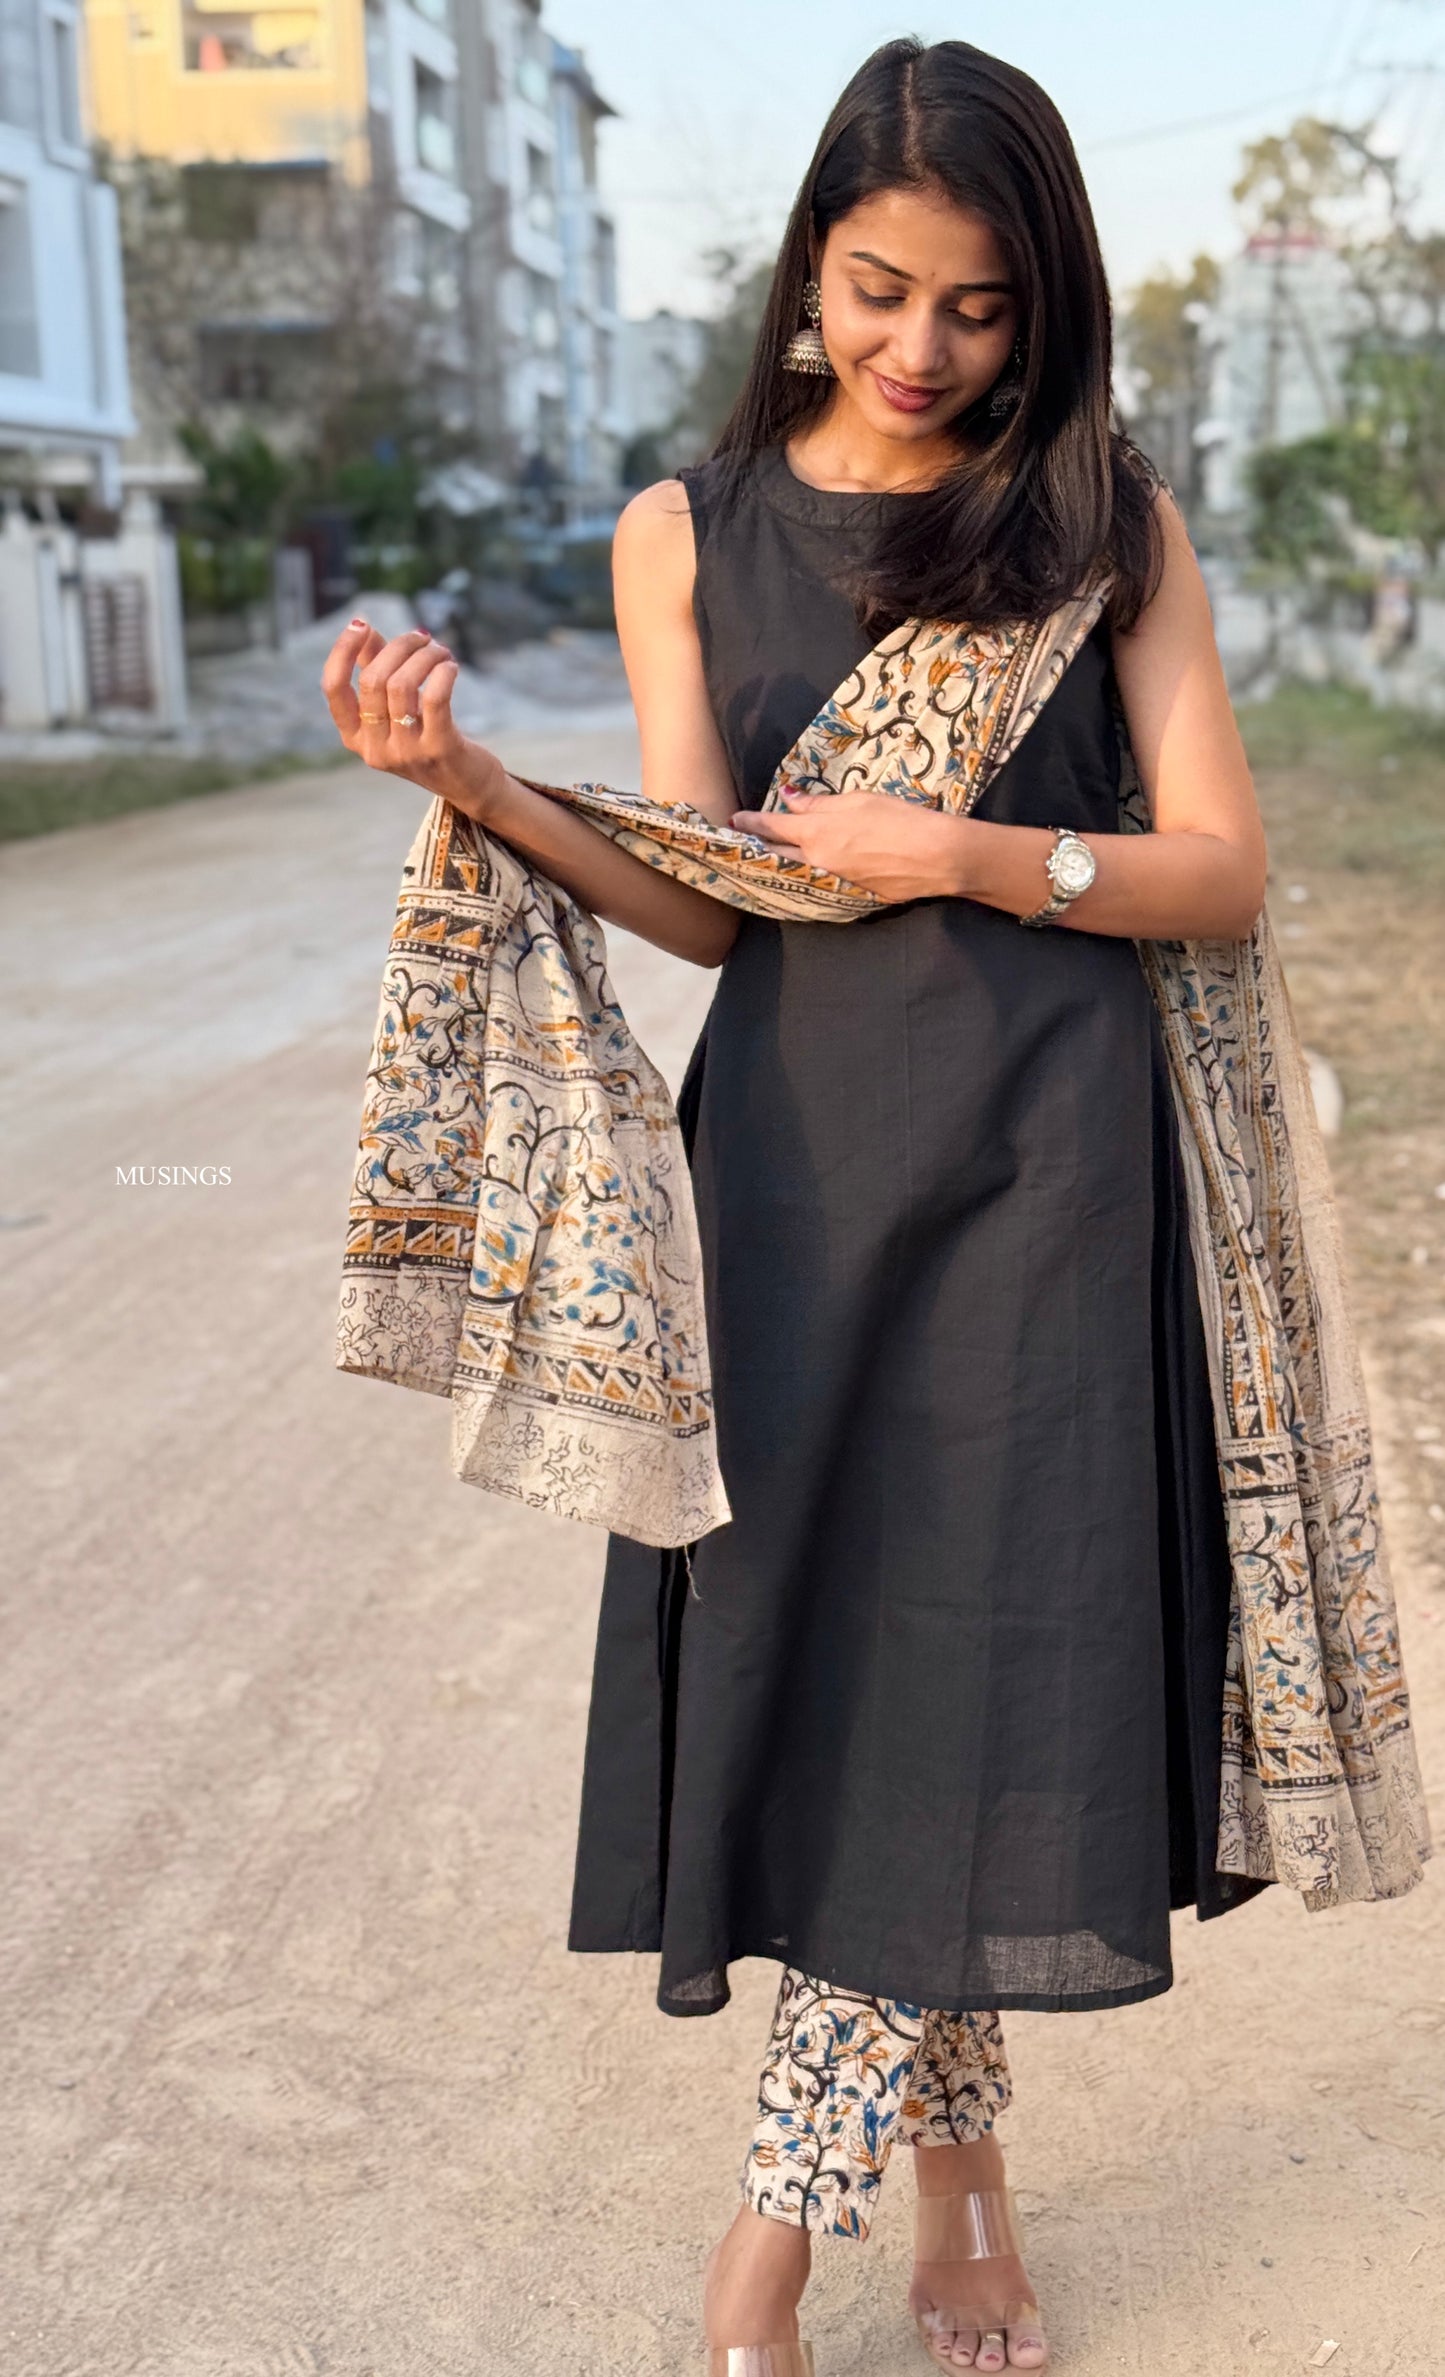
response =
{"points": [[801, 500]]}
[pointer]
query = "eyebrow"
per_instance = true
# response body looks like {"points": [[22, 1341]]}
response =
{"points": [[960, 288]]}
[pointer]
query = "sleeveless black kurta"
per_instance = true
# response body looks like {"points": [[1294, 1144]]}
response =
{"points": [[937, 1715]]}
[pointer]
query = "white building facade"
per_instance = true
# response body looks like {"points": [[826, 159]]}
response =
{"points": [[1280, 334], [542, 277], [414, 107], [89, 622], [63, 384], [660, 357]]}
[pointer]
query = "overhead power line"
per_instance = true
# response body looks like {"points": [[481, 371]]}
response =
{"points": [[1232, 115]]}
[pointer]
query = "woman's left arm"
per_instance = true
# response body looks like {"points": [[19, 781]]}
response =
{"points": [[1198, 876]]}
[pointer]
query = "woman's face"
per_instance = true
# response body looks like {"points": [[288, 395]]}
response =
{"points": [[918, 312]]}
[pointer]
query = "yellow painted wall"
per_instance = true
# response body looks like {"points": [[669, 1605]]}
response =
{"points": [[145, 101]]}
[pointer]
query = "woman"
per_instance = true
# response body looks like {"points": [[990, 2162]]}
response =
{"points": [[934, 1721]]}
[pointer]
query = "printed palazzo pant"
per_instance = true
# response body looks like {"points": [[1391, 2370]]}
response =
{"points": [[846, 2078]]}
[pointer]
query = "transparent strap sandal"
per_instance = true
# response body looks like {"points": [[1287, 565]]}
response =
{"points": [[971, 2227], [760, 2360]]}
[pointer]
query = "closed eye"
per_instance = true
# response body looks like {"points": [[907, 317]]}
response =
{"points": [[887, 305]]}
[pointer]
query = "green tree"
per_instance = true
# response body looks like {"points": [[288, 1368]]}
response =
{"points": [[1380, 466], [730, 335], [351, 410], [1292, 521], [1162, 327], [1307, 180]]}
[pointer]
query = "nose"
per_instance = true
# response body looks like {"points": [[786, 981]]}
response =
{"points": [[917, 346]]}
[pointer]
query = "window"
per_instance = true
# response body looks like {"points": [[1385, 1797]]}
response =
{"points": [[441, 257], [542, 320], [436, 146], [541, 204], [220, 203], [19, 65], [231, 41], [19, 330], [64, 63], [606, 265], [533, 81], [586, 124], [552, 430], [265, 364]]}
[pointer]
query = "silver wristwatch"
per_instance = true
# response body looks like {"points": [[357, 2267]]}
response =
{"points": [[1070, 868]]}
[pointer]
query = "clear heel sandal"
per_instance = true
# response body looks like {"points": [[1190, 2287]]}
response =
{"points": [[760, 2360], [966, 2227]]}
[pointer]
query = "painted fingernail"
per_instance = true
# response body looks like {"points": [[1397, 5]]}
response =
{"points": [[358, 623]]}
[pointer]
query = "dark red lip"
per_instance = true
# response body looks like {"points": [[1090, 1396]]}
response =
{"points": [[907, 399]]}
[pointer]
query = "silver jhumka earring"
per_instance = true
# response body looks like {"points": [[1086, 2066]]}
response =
{"points": [[805, 350], [1009, 393]]}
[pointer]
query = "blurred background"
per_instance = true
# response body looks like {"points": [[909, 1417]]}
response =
{"points": [[304, 302], [317, 306]]}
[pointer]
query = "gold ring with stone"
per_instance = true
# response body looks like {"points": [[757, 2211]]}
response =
{"points": [[407, 719]]}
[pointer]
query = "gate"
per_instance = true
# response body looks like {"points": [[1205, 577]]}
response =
{"points": [[116, 643]]}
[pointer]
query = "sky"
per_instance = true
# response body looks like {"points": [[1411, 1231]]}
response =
{"points": [[720, 103]]}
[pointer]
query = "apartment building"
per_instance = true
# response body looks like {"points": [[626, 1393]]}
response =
{"points": [[543, 272], [483, 130], [273, 114], [89, 621], [63, 380]]}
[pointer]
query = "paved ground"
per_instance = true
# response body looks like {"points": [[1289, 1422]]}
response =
{"points": [[299, 2078]]}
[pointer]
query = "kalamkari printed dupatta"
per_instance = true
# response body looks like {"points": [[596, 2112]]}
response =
{"points": [[522, 1237]]}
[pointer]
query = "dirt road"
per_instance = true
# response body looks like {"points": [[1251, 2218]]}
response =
{"points": [[299, 2079]]}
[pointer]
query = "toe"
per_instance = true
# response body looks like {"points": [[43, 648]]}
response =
{"points": [[990, 2355], [1027, 2350]]}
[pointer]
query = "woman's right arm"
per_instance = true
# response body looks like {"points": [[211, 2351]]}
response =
{"points": [[682, 752]]}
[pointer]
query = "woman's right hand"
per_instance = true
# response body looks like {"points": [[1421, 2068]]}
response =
{"points": [[409, 678], [412, 677]]}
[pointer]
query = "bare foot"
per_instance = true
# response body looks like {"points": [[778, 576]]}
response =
{"points": [[988, 2286], [754, 2281]]}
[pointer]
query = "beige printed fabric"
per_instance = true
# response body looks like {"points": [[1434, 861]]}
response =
{"points": [[522, 1238], [521, 1235]]}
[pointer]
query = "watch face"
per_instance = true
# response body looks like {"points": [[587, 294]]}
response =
{"points": [[1073, 867]]}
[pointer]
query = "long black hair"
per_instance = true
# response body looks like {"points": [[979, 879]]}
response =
{"points": [[1042, 501]]}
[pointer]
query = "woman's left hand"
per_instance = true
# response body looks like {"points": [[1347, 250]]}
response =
{"points": [[898, 849]]}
